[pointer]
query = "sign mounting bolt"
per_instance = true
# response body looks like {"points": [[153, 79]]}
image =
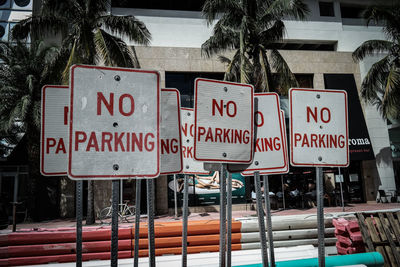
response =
{"points": [[224, 155], [318, 96], [256, 163], [117, 78], [115, 124], [225, 89], [188, 114], [115, 167], [320, 158], [187, 166]]}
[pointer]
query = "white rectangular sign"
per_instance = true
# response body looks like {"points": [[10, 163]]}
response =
{"points": [[223, 121], [318, 128], [190, 165], [171, 145], [270, 156], [54, 131], [114, 130]]}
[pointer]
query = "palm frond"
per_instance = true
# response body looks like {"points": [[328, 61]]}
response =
{"points": [[295, 9], [39, 26], [128, 26], [212, 8], [223, 38], [114, 51], [286, 77], [371, 47]]}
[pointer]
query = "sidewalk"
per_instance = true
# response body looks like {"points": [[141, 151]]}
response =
{"points": [[350, 209]]}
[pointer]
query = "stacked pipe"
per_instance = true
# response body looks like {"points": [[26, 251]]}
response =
{"points": [[58, 245], [349, 238], [40, 247]]}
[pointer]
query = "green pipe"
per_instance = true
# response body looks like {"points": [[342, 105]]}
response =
{"points": [[370, 259]]}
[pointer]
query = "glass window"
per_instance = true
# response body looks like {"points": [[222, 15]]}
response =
{"points": [[326, 9]]}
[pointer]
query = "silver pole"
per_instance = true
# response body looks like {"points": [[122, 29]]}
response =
{"points": [[269, 221], [229, 221], [222, 217], [341, 189], [150, 214], [185, 220], [137, 222], [320, 217], [15, 201], [175, 198], [114, 223], [283, 192], [260, 216], [79, 212], [121, 194]]}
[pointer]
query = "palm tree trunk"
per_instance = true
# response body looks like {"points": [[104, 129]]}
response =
{"points": [[242, 60], [90, 218]]}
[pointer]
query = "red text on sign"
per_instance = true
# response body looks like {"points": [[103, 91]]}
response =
{"points": [[268, 144], [126, 104], [223, 135], [169, 146], [114, 142], [319, 140], [187, 152], [325, 114], [186, 127], [58, 144], [259, 120], [230, 107]]}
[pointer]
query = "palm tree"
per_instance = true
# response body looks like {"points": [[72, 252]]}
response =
{"points": [[381, 85], [87, 31], [23, 72], [253, 28]]}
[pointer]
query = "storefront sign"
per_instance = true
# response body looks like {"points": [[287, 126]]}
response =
{"points": [[171, 148], [114, 129], [318, 128], [223, 122], [54, 131], [190, 165]]}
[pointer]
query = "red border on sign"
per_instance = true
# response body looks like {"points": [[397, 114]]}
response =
{"points": [[42, 132], [283, 138], [291, 127], [72, 176], [178, 98], [252, 121], [183, 171]]}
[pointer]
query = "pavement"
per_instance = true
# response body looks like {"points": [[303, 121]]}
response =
{"points": [[239, 214]]}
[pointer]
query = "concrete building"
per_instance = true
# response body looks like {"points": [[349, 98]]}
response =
{"points": [[314, 49]]}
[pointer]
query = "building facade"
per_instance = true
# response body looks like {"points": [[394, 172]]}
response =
{"points": [[318, 51]]}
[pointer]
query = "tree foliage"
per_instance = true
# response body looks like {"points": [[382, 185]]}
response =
{"points": [[252, 28], [381, 85], [90, 35]]}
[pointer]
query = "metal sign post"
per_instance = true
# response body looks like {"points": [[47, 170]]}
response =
{"points": [[114, 223], [341, 189], [320, 217], [260, 215], [269, 221], [79, 211], [319, 137], [185, 220], [222, 217], [175, 198], [229, 221], [137, 222], [150, 214]]}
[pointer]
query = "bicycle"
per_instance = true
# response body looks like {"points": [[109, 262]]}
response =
{"points": [[124, 213]]}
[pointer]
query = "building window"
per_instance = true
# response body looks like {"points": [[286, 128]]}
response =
{"points": [[351, 11], [326, 9], [185, 5], [184, 82]]}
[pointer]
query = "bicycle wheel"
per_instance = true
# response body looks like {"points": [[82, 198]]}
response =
{"points": [[105, 214], [128, 214]]}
